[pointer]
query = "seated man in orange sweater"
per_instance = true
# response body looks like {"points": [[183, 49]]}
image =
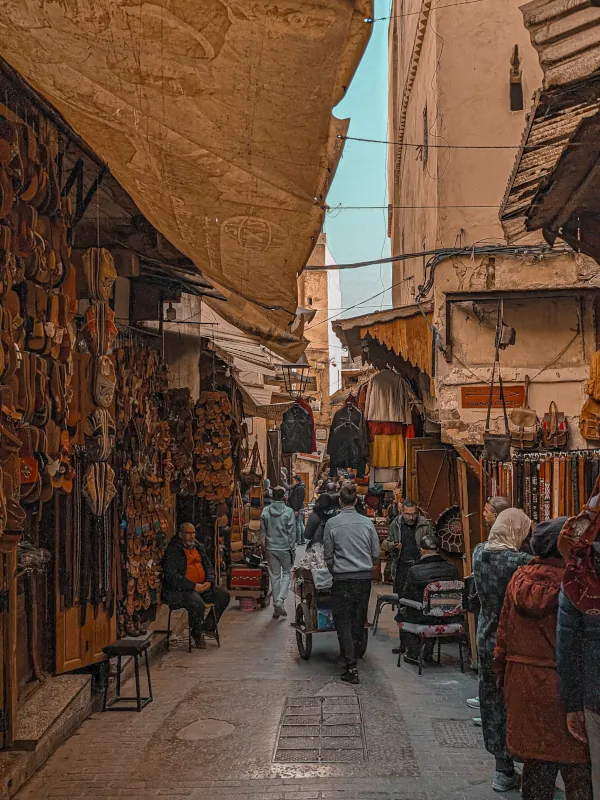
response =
{"points": [[189, 581]]}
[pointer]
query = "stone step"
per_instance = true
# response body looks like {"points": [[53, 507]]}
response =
{"points": [[53, 711]]}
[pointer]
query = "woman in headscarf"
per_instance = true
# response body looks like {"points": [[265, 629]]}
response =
{"points": [[494, 564], [536, 719]]}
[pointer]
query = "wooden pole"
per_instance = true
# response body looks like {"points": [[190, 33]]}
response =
{"points": [[468, 568]]}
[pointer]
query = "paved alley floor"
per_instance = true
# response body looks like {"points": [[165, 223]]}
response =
{"points": [[247, 722]]}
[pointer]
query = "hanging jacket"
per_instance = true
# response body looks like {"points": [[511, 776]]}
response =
{"points": [[348, 445], [526, 666], [296, 430], [278, 527], [388, 398]]}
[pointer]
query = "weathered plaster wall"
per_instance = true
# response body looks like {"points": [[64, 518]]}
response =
{"points": [[544, 326], [462, 79]]}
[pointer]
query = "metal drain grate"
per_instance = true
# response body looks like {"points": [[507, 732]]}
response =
{"points": [[321, 730], [457, 733]]}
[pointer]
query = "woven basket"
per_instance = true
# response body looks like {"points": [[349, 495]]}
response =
{"points": [[247, 604]]}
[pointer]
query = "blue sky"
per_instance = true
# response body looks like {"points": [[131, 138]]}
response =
{"points": [[361, 179]]}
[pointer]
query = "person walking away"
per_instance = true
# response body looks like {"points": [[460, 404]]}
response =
{"points": [[405, 533], [536, 719], [494, 564], [189, 581], [278, 538], [327, 506], [295, 501], [431, 567], [578, 638], [351, 547]]}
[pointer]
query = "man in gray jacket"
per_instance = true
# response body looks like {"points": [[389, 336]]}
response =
{"points": [[278, 538], [351, 546]]}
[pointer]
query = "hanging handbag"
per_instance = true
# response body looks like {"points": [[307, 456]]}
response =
{"points": [[524, 434], [555, 428], [589, 420], [496, 446]]}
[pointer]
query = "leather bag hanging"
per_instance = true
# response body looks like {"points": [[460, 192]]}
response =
{"points": [[555, 428], [524, 434], [496, 446], [589, 420]]}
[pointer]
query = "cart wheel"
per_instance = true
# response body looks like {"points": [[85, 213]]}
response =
{"points": [[361, 648], [303, 640]]}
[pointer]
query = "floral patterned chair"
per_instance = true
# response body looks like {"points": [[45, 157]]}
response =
{"points": [[443, 602]]}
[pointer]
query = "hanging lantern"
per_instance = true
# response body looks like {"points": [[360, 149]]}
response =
{"points": [[295, 376]]}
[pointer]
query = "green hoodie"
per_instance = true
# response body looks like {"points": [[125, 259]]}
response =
{"points": [[278, 527]]}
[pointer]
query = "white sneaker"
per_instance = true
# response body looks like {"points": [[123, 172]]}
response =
{"points": [[473, 702], [477, 722], [276, 612], [506, 783], [282, 611]]}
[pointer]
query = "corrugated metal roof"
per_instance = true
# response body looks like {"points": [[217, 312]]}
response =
{"points": [[555, 117], [566, 34]]}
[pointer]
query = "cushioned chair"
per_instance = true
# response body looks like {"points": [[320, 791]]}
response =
{"points": [[384, 599], [210, 616], [442, 602]]}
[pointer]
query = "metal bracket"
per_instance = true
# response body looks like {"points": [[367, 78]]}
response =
{"points": [[82, 201]]}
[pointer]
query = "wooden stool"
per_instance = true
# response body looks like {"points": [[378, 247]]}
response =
{"points": [[210, 613], [135, 648]]}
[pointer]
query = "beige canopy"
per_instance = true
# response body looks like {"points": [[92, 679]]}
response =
{"points": [[215, 116]]}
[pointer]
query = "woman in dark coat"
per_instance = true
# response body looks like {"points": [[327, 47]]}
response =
{"points": [[536, 720]]}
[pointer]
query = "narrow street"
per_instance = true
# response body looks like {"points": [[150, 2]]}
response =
{"points": [[212, 730]]}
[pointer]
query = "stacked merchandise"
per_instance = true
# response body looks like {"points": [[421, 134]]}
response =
{"points": [[212, 451], [237, 528], [178, 411], [254, 478], [144, 459], [544, 485]]}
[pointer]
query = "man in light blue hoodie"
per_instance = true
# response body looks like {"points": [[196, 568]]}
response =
{"points": [[278, 538]]}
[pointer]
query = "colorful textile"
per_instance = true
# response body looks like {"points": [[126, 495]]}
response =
{"points": [[388, 451]]}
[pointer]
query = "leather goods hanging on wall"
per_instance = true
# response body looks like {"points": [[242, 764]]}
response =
{"points": [[99, 435], [555, 428], [589, 420], [103, 380], [99, 487], [99, 272], [496, 446], [524, 434]]}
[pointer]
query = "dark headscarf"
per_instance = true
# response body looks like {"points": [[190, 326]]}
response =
{"points": [[544, 542]]}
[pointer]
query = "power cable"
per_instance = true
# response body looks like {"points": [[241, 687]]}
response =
{"points": [[371, 20], [448, 252], [526, 148]]}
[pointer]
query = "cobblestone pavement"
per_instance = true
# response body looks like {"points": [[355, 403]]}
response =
{"points": [[212, 730]]}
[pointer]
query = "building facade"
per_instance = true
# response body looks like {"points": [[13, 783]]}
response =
{"points": [[462, 80]]}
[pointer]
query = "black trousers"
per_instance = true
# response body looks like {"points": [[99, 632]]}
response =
{"points": [[350, 607], [539, 778], [195, 605]]}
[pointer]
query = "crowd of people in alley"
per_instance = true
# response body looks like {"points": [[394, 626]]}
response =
{"points": [[535, 592]]}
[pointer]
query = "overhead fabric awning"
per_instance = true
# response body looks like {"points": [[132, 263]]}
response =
{"points": [[215, 118], [404, 331]]}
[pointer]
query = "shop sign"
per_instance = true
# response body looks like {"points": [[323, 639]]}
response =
{"points": [[478, 397], [321, 434]]}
